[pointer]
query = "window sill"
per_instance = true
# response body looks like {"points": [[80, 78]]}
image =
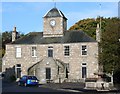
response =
{"points": [[84, 55], [66, 56]]}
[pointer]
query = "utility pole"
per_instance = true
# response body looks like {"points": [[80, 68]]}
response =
{"points": [[100, 23], [98, 38]]}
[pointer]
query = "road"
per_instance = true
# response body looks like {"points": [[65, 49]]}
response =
{"points": [[14, 88]]}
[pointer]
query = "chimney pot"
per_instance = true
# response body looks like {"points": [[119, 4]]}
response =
{"points": [[14, 34], [14, 29]]}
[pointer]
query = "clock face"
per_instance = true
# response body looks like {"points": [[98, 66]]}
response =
{"points": [[52, 23]]}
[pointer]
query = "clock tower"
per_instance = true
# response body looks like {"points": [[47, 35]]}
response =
{"points": [[54, 23]]}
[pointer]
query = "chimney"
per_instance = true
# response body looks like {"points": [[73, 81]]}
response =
{"points": [[14, 34], [98, 31]]}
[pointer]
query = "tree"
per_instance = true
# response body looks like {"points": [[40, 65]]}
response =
{"points": [[110, 46], [7, 38]]}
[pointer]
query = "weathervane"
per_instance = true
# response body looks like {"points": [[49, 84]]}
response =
{"points": [[54, 3]]}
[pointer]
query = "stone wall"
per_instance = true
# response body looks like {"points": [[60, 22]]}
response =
{"points": [[74, 61], [50, 31]]}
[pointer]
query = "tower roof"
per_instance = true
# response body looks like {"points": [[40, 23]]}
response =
{"points": [[54, 12]]}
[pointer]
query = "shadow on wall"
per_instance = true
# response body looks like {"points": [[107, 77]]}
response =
{"points": [[9, 75]]}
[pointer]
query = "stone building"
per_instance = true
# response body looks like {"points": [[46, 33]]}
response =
{"points": [[56, 54]]}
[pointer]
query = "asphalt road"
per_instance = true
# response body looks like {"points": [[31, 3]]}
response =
{"points": [[16, 88], [13, 88]]}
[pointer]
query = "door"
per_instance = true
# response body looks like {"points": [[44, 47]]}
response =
{"points": [[84, 72], [48, 73], [18, 72]]}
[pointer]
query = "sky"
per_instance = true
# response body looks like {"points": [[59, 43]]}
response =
{"points": [[28, 16]]}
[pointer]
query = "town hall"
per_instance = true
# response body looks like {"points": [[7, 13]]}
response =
{"points": [[56, 54]]}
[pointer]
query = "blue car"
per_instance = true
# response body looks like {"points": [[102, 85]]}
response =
{"points": [[28, 80]]}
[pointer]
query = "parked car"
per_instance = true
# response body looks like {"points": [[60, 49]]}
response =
{"points": [[28, 80]]}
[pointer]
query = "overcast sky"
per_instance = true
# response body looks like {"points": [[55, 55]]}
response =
{"points": [[28, 16]]}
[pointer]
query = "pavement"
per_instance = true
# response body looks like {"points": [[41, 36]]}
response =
{"points": [[77, 87], [69, 87]]}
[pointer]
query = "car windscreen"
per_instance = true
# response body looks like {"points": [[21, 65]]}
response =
{"points": [[32, 77]]}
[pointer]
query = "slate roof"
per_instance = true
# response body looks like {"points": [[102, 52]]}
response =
{"points": [[69, 37], [54, 12]]}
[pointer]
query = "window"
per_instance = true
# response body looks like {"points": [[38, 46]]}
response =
{"points": [[34, 52], [84, 50], [24, 77], [66, 51], [18, 52], [50, 51]]}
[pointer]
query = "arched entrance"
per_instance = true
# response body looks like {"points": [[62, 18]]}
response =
{"points": [[49, 69]]}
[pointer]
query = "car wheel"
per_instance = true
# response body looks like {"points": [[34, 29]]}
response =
{"points": [[25, 84], [19, 84]]}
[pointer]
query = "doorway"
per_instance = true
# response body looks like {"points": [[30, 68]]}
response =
{"points": [[48, 73], [18, 70]]}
